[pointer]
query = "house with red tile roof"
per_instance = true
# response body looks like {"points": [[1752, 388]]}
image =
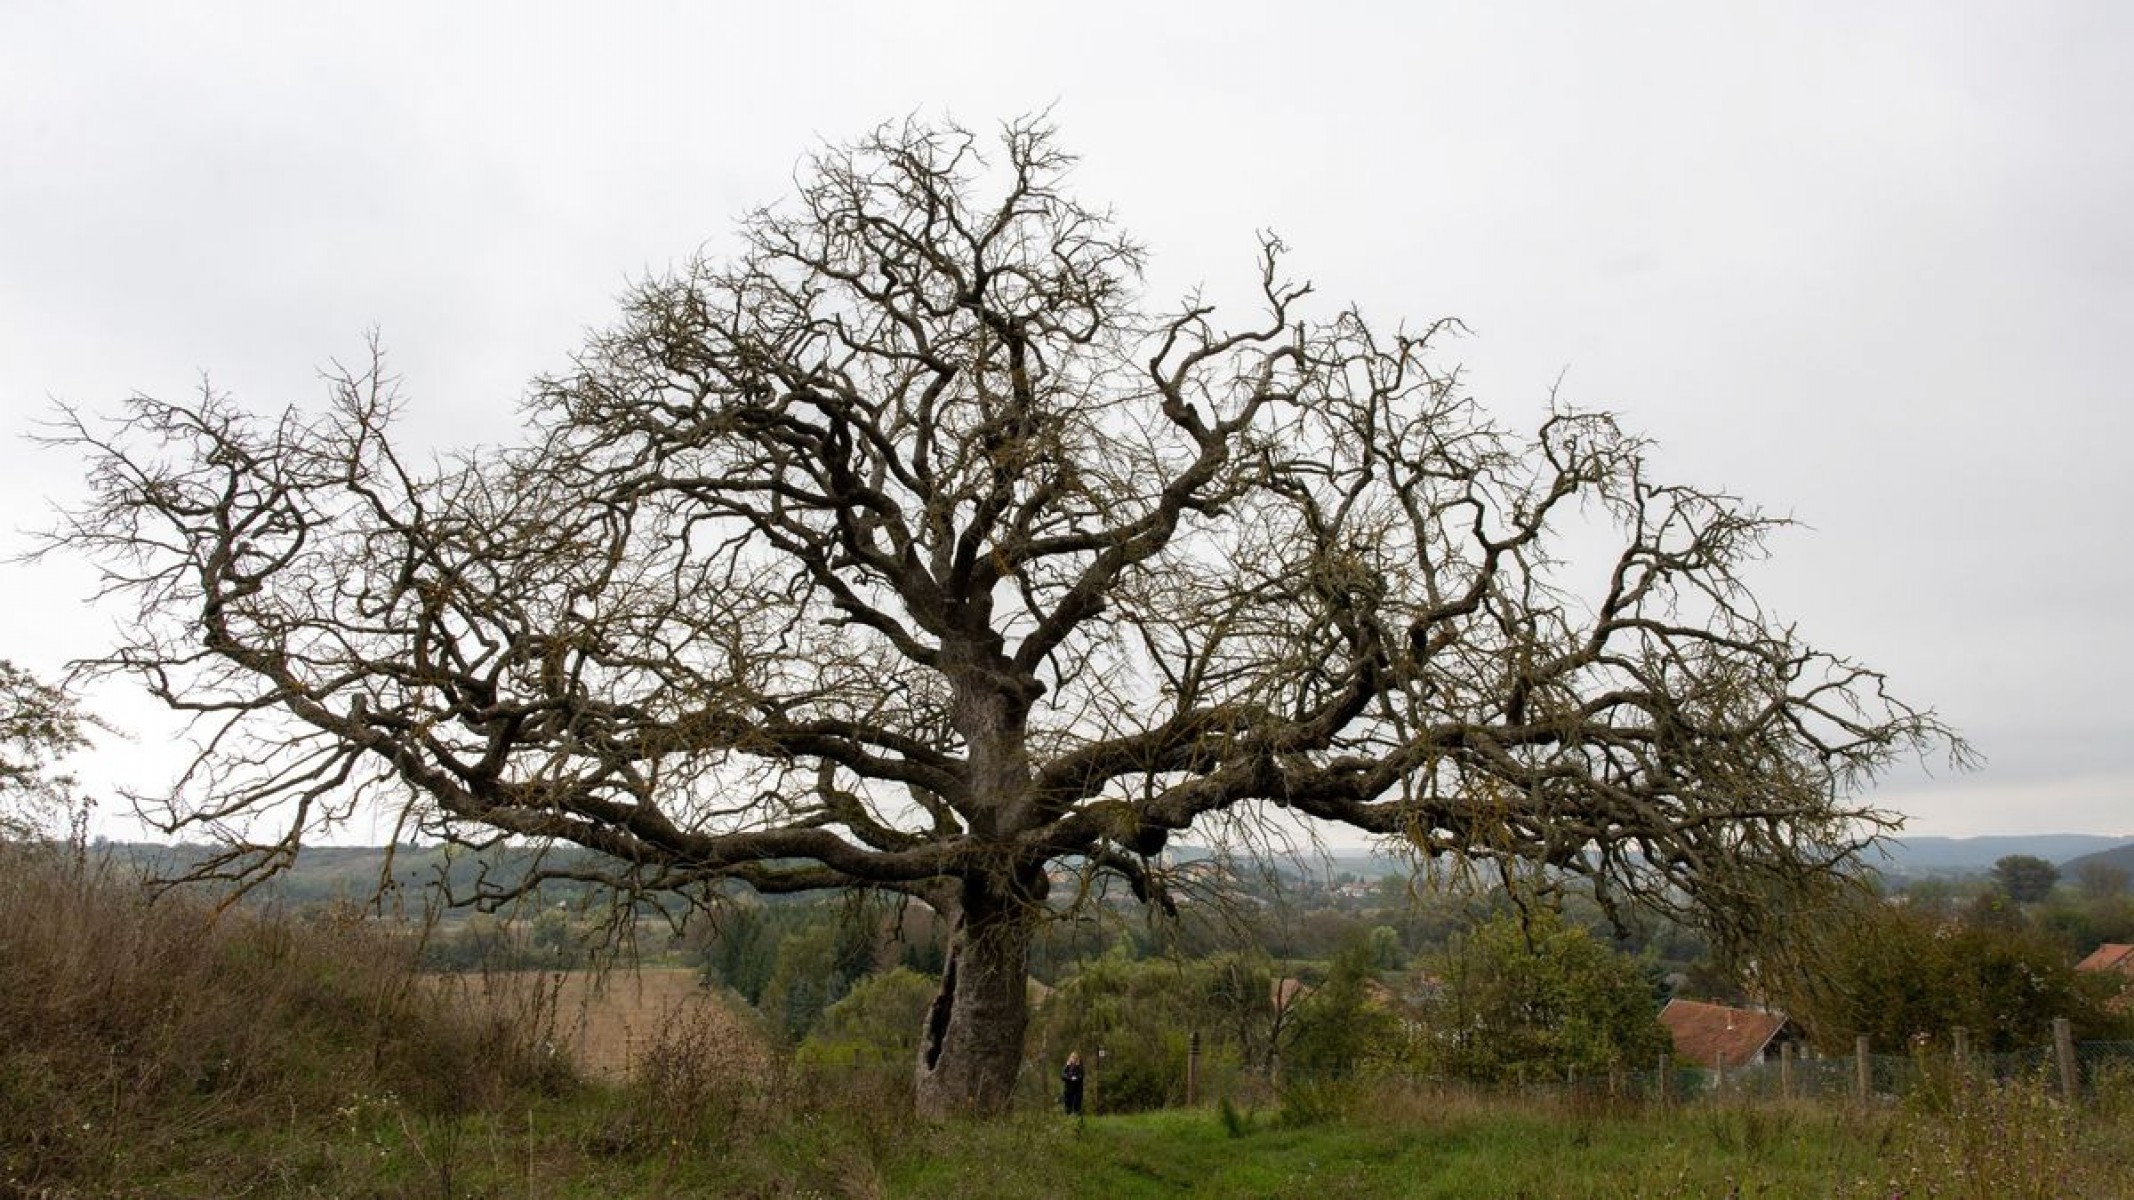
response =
{"points": [[2112, 956], [1724, 1038]]}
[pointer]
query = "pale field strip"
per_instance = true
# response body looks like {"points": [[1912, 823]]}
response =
{"points": [[608, 1022]]}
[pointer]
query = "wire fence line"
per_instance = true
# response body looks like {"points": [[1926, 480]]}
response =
{"points": [[2076, 1072]]}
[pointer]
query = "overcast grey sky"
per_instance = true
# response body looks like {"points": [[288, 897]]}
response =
{"points": [[1872, 265]]}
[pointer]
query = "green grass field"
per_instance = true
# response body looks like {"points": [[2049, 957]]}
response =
{"points": [[605, 1143]]}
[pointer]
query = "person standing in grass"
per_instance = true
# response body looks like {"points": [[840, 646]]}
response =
{"points": [[1071, 1084]]}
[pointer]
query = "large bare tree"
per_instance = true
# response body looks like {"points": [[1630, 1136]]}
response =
{"points": [[910, 549]]}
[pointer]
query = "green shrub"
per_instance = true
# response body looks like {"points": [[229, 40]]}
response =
{"points": [[1128, 1019], [1535, 998], [1310, 1102], [1338, 1027], [878, 1021]]}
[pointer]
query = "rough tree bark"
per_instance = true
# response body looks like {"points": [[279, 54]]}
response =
{"points": [[909, 550], [972, 1046]]}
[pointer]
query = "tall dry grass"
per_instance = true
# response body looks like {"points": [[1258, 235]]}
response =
{"points": [[138, 1033]]}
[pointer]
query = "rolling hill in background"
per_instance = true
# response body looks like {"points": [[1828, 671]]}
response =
{"points": [[1914, 856], [2121, 857], [1902, 858], [355, 872]]}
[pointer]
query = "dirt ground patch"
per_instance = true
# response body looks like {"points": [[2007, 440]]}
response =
{"points": [[608, 1022]]}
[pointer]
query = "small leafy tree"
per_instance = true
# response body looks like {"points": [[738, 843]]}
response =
{"points": [[805, 980], [40, 723], [1524, 997], [1339, 1025], [1387, 954], [814, 965], [1238, 1010], [2101, 880], [740, 948], [2025, 877], [554, 942]]}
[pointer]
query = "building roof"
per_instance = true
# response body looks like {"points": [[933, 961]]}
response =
{"points": [[1709, 1034], [2112, 956]]}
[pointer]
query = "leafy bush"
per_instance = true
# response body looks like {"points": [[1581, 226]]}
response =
{"points": [[1535, 998], [1897, 975], [1129, 1021], [1337, 1026], [1317, 1101], [879, 1020]]}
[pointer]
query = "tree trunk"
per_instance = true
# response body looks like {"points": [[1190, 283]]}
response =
{"points": [[972, 1045]]}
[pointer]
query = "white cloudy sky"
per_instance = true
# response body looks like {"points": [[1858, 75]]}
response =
{"points": [[1867, 264]]}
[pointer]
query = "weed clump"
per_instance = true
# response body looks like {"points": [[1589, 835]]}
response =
{"points": [[1986, 1138]]}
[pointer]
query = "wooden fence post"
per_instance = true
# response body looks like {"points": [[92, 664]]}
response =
{"points": [[1863, 1069], [1192, 1068], [1785, 1070], [1962, 1038], [2063, 1049], [1666, 1078]]}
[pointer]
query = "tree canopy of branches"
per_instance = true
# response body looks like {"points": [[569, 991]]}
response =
{"points": [[911, 549]]}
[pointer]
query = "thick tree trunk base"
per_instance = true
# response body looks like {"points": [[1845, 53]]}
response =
{"points": [[972, 1046]]}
